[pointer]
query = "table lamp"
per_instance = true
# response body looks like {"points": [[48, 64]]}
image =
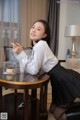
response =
{"points": [[74, 32]]}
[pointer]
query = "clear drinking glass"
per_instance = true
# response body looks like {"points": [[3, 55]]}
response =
{"points": [[9, 67]]}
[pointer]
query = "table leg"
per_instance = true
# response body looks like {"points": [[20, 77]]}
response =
{"points": [[26, 105], [0, 99], [43, 102], [33, 93], [45, 99], [15, 104]]}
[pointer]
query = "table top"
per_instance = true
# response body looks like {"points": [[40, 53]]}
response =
{"points": [[21, 80]]}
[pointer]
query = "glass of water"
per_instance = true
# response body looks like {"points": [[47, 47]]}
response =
{"points": [[9, 67]]}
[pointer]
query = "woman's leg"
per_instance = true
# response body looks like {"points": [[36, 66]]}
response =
{"points": [[59, 113]]}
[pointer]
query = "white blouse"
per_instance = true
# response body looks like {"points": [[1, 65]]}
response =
{"points": [[41, 58]]}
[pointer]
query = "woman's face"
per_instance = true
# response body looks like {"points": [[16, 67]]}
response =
{"points": [[37, 31]]}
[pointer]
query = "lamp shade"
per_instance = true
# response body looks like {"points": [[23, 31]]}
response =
{"points": [[72, 30]]}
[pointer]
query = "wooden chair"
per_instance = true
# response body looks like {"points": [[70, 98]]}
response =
{"points": [[10, 55]]}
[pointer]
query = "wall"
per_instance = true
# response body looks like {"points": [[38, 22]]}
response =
{"points": [[69, 15]]}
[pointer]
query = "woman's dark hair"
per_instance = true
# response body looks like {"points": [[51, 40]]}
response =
{"points": [[47, 30]]}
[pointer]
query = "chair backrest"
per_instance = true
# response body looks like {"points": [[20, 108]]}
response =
{"points": [[11, 56]]}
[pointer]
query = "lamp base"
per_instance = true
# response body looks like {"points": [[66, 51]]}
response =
{"points": [[73, 51]]}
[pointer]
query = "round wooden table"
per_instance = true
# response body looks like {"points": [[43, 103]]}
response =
{"points": [[26, 82]]}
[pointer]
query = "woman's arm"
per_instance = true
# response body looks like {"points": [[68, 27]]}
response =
{"points": [[34, 63]]}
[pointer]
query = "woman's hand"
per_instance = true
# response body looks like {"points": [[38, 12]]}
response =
{"points": [[17, 48]]}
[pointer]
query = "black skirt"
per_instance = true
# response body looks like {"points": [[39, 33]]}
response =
{"points": [[65, 85]]}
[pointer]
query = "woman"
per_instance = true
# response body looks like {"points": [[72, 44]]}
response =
{"points": [[66, 83]]}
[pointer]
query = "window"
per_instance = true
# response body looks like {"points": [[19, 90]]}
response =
{"points": [[9, 21]]}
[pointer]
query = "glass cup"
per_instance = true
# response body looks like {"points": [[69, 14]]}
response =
{"points": [[9, 67]]}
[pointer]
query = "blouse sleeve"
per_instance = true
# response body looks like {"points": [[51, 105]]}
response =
{"points": [[34, 63]]}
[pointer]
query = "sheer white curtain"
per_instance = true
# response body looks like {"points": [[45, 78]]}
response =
{"points": [[9, 21], [9, 24]]}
